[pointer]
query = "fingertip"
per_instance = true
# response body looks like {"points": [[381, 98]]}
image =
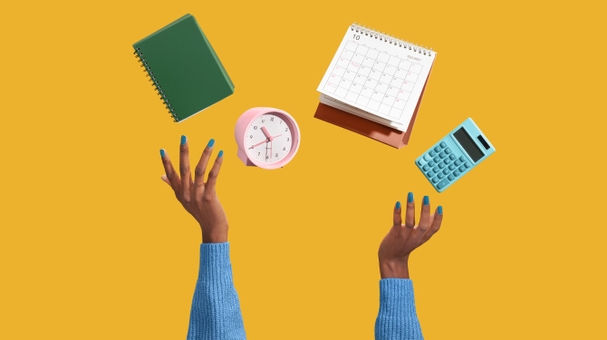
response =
{"points": [[410, 197], [220, 154], [397, 205], [211, 143], [184, 139], [162, 153], [440, 209], [426, 200]]}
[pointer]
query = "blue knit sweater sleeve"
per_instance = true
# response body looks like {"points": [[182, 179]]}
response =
{"points": [[215, 310], [397, 318]]}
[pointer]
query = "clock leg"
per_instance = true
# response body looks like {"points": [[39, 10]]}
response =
{"points": [[243, 157]]}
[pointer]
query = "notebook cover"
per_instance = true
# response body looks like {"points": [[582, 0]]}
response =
{"points": [[367, 128], [184, 66]]}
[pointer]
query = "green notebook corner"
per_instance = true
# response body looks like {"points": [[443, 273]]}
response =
{"points": [[184, 68]]}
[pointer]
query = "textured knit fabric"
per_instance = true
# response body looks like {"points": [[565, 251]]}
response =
{"points": [[215, 313], [397, 318]]}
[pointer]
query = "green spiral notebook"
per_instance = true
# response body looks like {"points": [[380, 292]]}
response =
{"points": [[184, 68]]}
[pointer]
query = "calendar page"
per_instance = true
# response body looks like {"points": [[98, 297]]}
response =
{"points": [[378, 74]]}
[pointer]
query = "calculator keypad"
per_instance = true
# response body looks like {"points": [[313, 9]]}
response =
{"points": [[442, 166]]}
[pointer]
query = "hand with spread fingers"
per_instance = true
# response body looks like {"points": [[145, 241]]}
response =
{"points": [[402, 239], [198, 197]]}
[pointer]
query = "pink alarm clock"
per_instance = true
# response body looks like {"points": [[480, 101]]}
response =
{"points": [[266, 137]]}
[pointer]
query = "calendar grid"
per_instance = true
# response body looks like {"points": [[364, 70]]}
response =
{"points": [[376, 80]]}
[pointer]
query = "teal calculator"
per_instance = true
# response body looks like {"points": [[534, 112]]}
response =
{"points": [[455, 155]]}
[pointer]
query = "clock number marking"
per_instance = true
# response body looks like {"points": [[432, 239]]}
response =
{"points": [[255, 127]]}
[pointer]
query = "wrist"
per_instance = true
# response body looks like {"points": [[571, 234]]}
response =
{"points": [[394, 269], [214, 237]]}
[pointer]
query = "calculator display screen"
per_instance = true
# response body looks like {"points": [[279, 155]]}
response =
{"points": [[468, 144]]}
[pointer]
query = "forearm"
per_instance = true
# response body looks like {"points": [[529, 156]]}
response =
{"points": [[397, 317], [215, 310]]}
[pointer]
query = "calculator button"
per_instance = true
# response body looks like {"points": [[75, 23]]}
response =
{"points": [[452, 157], [442, 155], [457, 163], [447, 151], [426, 167], [427, 158], [436, 169], [451, 166], [436, 159], [467, 165], [443, 183], [451, 177], [432, 153], [435, 179], [462, 168], [456, 173], [446, 171], [440, 175], [462, 159], [431, 163], [441, 165], [420, 162], [437, 149], [443, 145]]}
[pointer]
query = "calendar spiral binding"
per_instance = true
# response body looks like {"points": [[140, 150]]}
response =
{"points": [[157, 87], [390, 39]]}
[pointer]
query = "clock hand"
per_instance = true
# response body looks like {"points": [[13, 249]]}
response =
{"points": [[258, 144], [266, 133], [267, 151]]}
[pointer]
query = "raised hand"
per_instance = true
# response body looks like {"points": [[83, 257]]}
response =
{"points": [[402, 239], [198, 197]]}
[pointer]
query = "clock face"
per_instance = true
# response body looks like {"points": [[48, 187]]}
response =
{"points": [[269, 138]]}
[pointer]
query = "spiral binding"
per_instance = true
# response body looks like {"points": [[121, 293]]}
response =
{"points": [[152, 79], [390, 39]]}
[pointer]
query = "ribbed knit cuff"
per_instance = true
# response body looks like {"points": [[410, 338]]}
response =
{"points": [[214, 260], [397, 318]]}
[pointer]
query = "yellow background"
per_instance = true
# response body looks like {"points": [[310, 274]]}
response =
{"points": [[93, 245]]}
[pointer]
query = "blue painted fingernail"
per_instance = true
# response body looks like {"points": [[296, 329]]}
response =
{"points": [[410, 197], [211, 143], [397, 204], [220, 153], [161, 152], [183, 140], [426, 200], [440, 209]]}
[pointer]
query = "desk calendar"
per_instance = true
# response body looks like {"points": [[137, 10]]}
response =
{"points": [[376, 77]]}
